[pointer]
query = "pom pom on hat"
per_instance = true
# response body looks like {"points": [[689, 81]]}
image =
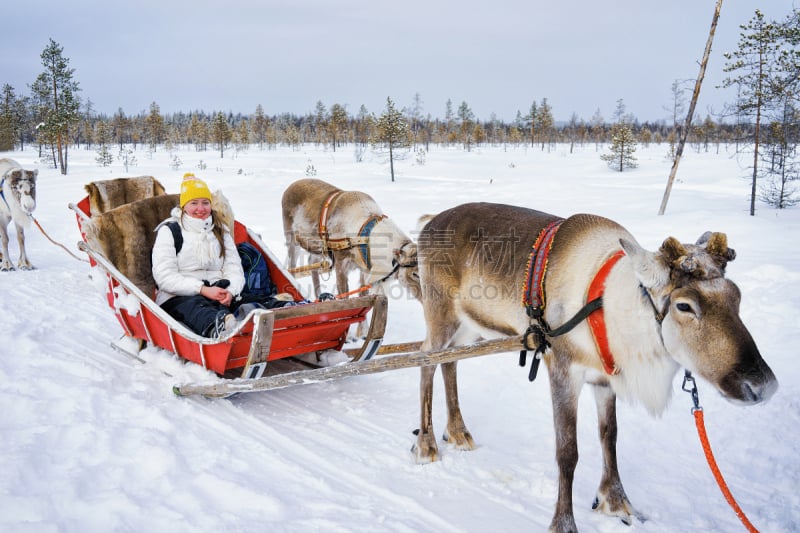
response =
{"points": [[193, 188]]}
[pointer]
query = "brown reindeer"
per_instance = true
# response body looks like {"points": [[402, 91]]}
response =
{"points": [[661, 310], [350, 229], [17, 202]]}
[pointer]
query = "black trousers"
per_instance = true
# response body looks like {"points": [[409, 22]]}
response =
{"points": [[198, 312]]}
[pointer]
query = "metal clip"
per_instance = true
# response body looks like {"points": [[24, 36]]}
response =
{"points": [[689, 379]]}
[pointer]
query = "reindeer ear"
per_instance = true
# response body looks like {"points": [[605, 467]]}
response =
{"points": [[650, 268], [718, 247], [672, 250]]}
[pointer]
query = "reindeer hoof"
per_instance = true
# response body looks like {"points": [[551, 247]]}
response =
{"points": [[620, 508], [461, 440], [425, 449]]}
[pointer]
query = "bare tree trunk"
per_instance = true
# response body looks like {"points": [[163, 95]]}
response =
{"points": [[391, 160], [695, 95]]}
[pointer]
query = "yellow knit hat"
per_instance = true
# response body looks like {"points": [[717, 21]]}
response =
{"points": [[193, 188]]}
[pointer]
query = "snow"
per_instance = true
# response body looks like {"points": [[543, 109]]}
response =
{"points": [[94, 441]]}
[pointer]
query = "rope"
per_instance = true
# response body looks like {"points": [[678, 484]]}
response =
{"points": [[697, 411], [368, 286], [54, 242], [354, 291], [701, 431]]}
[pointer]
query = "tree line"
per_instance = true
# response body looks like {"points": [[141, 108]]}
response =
{"points": [[764, 70]]}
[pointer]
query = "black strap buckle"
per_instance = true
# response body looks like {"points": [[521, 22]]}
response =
{"points": [[540, 345]]}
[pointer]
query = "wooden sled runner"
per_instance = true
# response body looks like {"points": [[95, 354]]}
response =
{"points": [[127, 230]]}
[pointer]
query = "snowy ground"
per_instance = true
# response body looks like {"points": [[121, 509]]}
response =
{"points": [[96, 442]]}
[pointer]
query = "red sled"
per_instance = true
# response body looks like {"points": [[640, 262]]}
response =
{"points": [[117, 221]]}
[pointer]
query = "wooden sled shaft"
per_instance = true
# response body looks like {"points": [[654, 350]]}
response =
{"points": [[356, 368]]}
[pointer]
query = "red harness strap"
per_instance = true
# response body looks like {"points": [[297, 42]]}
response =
{"points": [[323, 215], [533, 296], [596, 318]]}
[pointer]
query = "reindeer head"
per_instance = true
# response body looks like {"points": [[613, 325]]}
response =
{"points": [[701, 327], [408, 275], [23, 186]]}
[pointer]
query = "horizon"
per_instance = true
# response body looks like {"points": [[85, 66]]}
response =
{"points": [[498, 58]]}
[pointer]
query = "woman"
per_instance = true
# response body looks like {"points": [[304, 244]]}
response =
{"points": [[195, 263]]}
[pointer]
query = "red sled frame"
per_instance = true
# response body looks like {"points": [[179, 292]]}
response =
{"points": [[263, 336]]}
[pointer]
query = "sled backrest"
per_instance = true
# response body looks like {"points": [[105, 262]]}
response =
{"points": [[126, 234], [105, 195]]}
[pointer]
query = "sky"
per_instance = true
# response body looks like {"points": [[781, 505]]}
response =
{"points": [[498, 57], [96, 442]]}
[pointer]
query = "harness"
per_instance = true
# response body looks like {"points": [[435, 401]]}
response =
{"points": [[3, 194], [533, 298], [361, 241]]}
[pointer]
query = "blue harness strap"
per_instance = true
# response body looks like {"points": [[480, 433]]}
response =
{"points": [[366, 229], [3, 194]]}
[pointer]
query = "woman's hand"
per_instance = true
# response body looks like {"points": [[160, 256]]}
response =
{"points": [[223, 296]]}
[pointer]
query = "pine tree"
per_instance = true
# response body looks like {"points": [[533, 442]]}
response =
{"points": [[597, 128], [320, 121], [545, 122], [392, 131], [221, 132], [154, 124], [337, 124], [57, 91], [365, 123], [531, 117], [260, 126], [751, 65], [415, 114], [623, 146], [121, 128], [466, 129], [103, 137], [10, 121]]}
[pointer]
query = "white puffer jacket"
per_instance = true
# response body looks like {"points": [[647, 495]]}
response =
{"points": [[182, 274]]}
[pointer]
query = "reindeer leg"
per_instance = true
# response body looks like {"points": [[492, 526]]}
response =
{"points": [[361, 329], [24, 263], [5, 264], [564, 391], [456, 432], [425, 449], [440, 332], [315, 283], [611, 498], [342, 284]]}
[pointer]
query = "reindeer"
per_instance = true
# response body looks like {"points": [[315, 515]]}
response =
{"points": [[657, 311], [349, 229], [17, 202]]}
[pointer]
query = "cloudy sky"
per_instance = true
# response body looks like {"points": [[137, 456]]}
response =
{"points": [[498, 56]]}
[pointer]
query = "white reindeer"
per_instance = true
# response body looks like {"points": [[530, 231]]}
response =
{"points": [[17, 202], [350, 229]]}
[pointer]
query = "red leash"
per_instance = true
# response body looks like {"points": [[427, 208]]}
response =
{"points": [[697, 411]]}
